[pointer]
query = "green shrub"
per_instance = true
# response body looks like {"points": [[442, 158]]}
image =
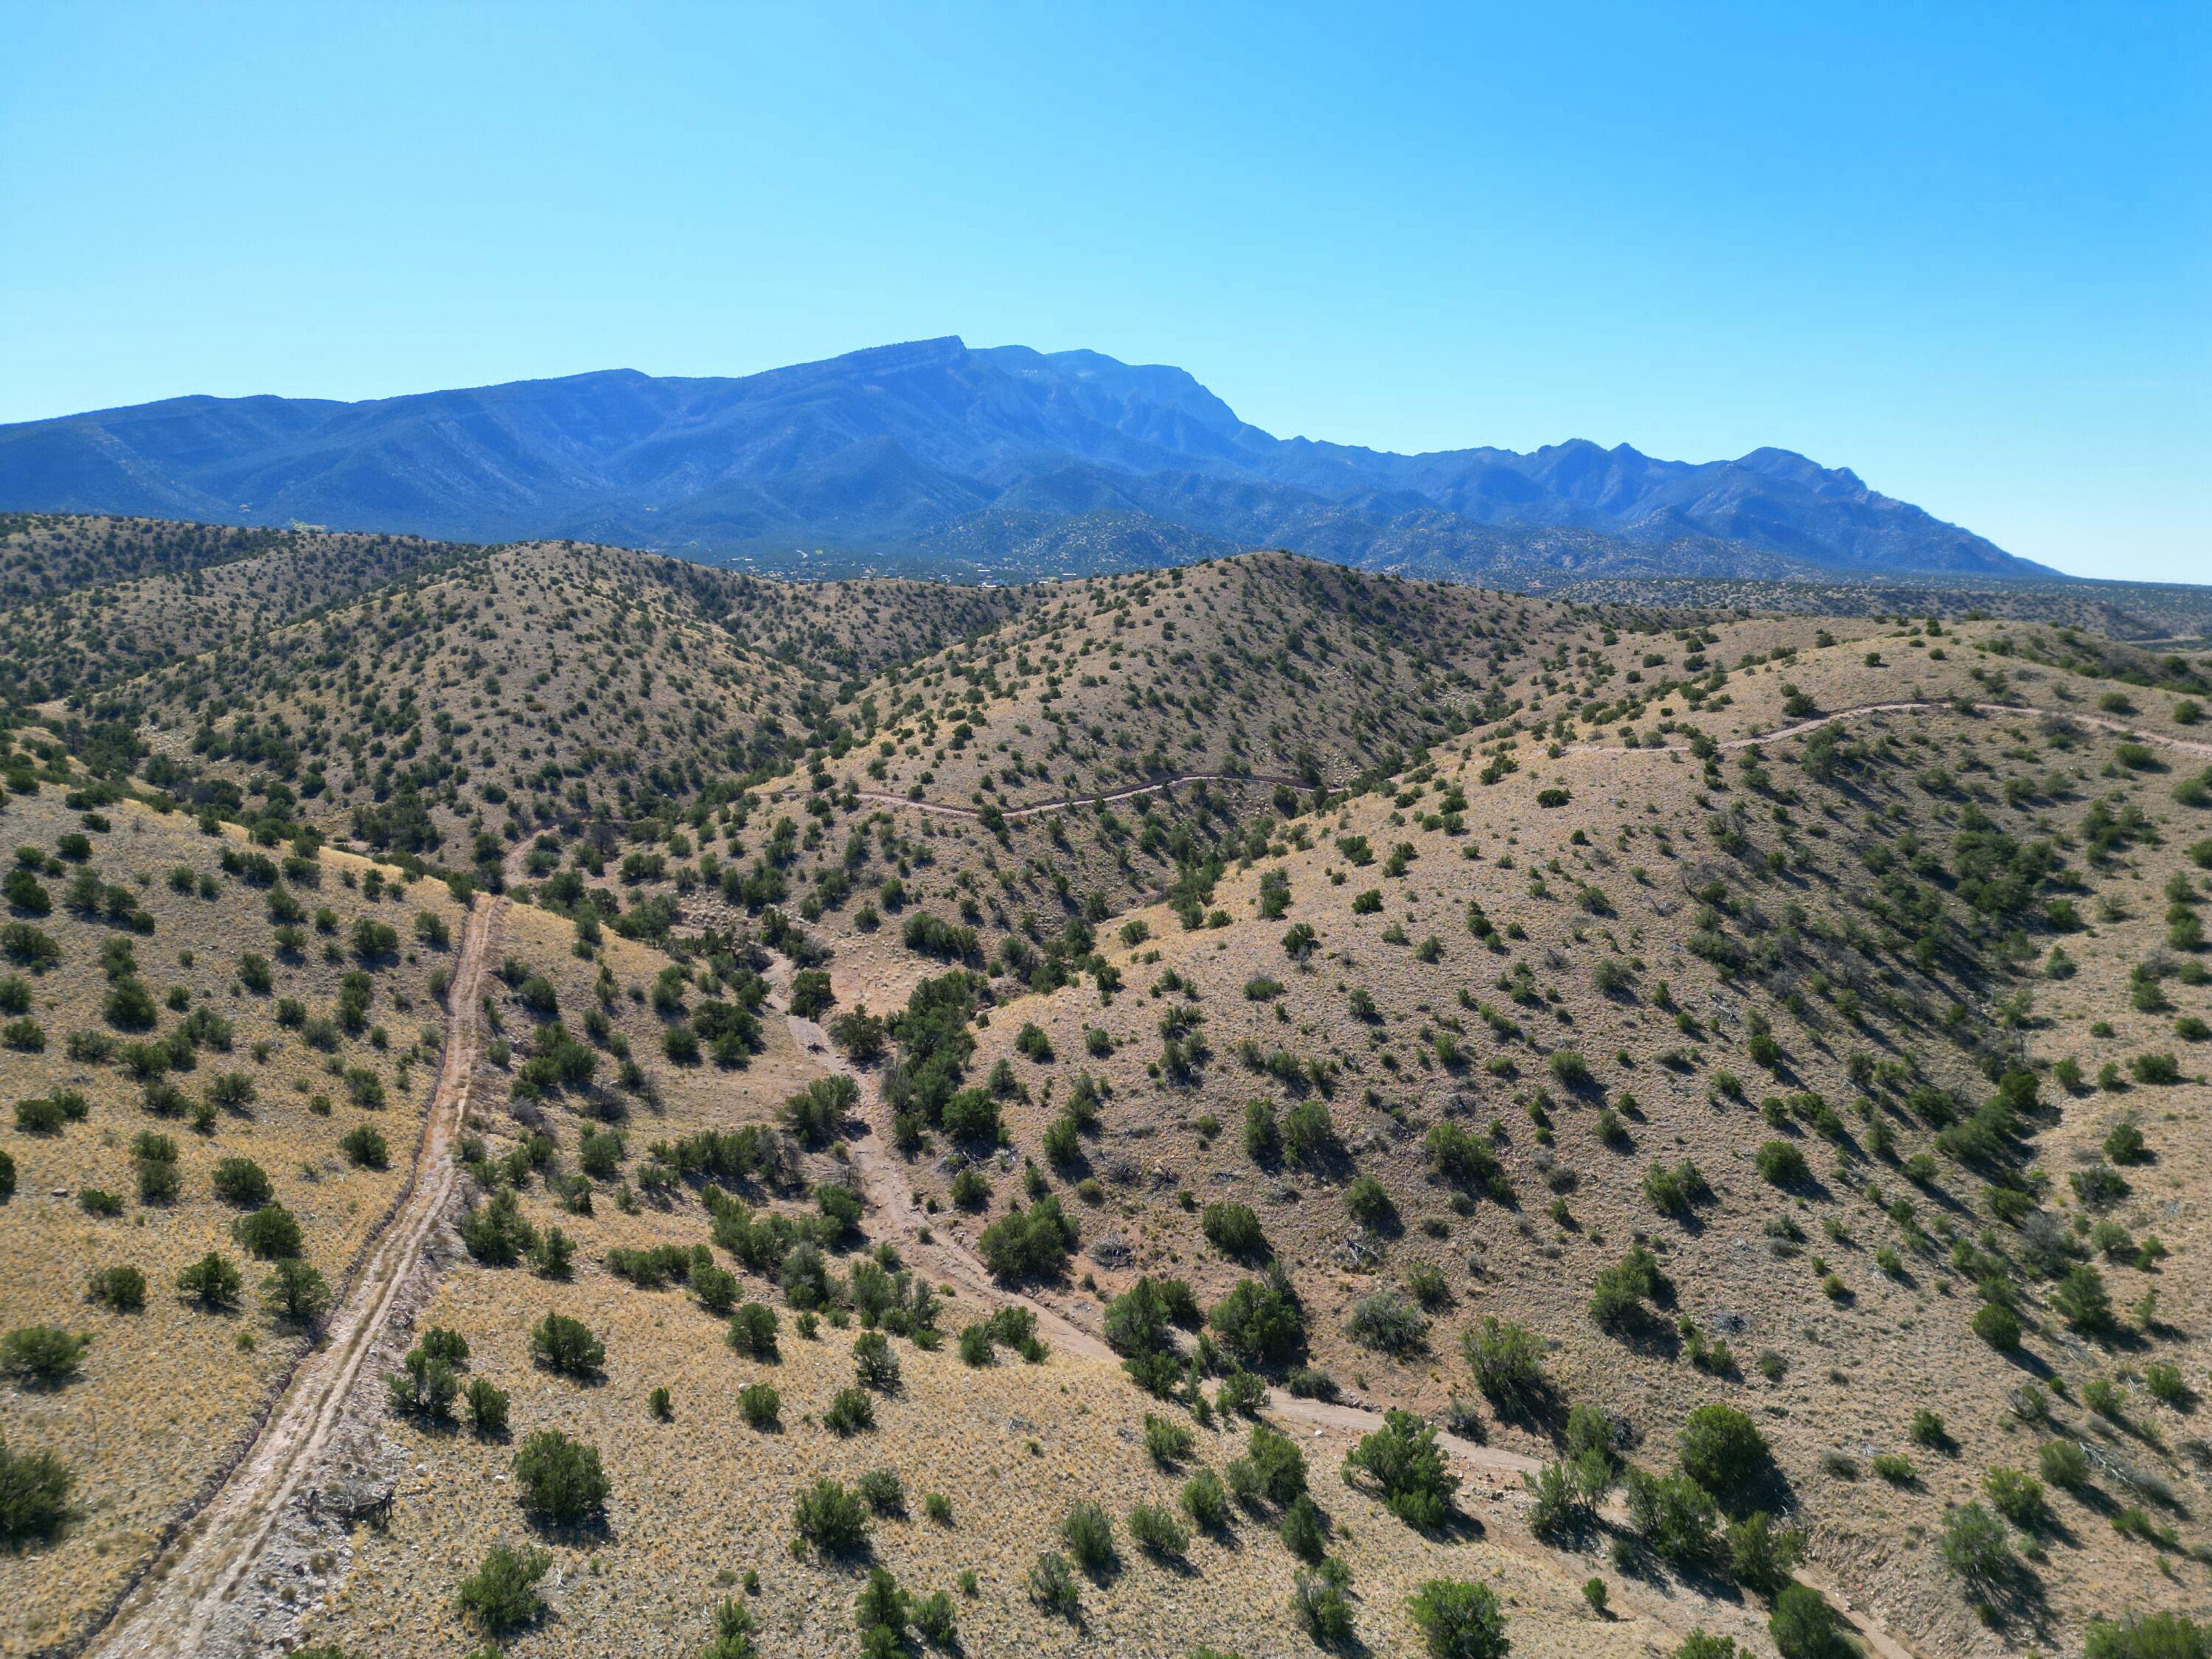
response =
{"points": [[1998, 1326], [1052, 1586], [1088, 1532], [1303, 1532], [424, 1385], [487, 1408], [1672, 1514], [1263, 1134], [882, 1491], [566, 1345], [1167, 1442], [1762, 1555], [1241, 1392], [295, 1291], [1322, 1601], [1235, 1231], [241, 1182], [2017, 1497], [41, 1355], [2147, 1636], [1804, 1625], [38, 1117], [1402, 1459], [1028, 1244], [557, 1479], [1976, 1547], [1722, 1450], [1309, 1137], [2063, 1464], [1507, 1360], [501, 1595], [761, 1405], [2164, 1381], [120, 1289], [1460, 1620], [211, 1281], [1782, 1164], [1367, 1201], [1387, 1323], [365, 1147], [2155, 1068], [933, 1620], [1156, 1528], [874, 1364], [1259, 1322], [1272, 1466], [2082, 1301], [1617, 1294], [752, 1330], [850, 1412], [34, 1489], [830, 1518], [159, 1180], [271, 1232], [1206, 1500]]}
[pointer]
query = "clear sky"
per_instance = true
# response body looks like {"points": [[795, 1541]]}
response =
{"points": [[1961, 249]]}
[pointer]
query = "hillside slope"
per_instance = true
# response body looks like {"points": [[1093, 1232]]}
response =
{"points": [[1743, 1073]]}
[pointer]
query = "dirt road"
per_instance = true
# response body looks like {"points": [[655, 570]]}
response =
{"points": [[1076, 802], [891, 1204], [1033, 809], [2096, 722], [174, 1608]]}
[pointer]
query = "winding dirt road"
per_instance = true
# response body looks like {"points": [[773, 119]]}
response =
{"points": [[1077, 802], [175, 1606], [942, 809], [1925, 706], [891, 1201]]}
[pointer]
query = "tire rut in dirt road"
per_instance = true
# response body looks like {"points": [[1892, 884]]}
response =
{"points": [[890, 1200], [175, 1607]]}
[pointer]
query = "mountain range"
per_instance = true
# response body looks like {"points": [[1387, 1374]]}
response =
{"points": [[934, 455]]}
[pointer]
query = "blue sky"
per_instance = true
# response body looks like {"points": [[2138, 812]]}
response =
{"points": [[1960, 249]]}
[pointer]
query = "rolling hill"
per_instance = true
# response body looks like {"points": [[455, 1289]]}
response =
{"points": [[1205, 1111]]}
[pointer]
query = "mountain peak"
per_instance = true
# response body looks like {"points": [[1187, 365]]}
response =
{"points": [[898, 447]]}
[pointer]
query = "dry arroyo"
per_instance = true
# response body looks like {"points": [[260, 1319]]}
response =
{"points": [[174, 1607]]}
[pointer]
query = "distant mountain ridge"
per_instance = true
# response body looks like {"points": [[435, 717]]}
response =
{"points": [[993, 459]]}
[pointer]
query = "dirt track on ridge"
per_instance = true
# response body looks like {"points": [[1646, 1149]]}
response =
{"points": [[1799, 729]]}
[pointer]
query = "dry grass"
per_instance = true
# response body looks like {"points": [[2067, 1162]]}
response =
{"points": [[572, 706], [165, 1394]]}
